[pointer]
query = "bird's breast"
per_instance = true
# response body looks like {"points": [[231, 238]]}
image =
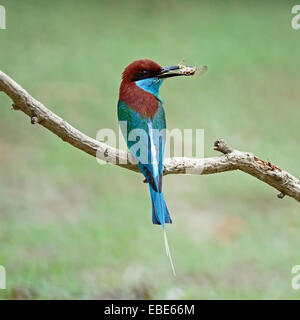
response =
{"points": [[143, 102]]}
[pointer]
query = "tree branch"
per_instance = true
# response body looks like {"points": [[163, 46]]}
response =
{"points": [[231, 159]]}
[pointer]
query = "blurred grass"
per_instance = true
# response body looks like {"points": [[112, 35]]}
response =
{"points": [[73, 229]]}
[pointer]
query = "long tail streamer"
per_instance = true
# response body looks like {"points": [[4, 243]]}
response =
{"points": [[168, 252]]}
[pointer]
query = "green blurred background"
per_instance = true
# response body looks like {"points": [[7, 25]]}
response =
{"points": [[70, 228]]}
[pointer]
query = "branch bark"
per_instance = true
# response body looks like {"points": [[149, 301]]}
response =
{"points": [[231, 159]]}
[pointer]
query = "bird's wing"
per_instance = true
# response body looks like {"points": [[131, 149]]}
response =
{"points": [[159, 124], [148, 148]]}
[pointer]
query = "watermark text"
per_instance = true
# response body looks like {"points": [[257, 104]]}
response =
{"points": [[2, 17], [296, 279], [150, 146], [2, 278], [296, 19]]}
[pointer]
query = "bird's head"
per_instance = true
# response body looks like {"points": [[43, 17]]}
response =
{"points": [[148, 75]]}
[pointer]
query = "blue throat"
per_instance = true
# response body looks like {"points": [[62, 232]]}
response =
{"points": [[150, 85]]}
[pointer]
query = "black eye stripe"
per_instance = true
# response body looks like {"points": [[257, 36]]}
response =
{"points": [[143, 74]]}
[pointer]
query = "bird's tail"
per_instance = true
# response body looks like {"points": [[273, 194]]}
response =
{"points": [[168, 252], [160, 215]]}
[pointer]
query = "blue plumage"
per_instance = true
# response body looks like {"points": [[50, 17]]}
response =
{"points": [[146, 139]]}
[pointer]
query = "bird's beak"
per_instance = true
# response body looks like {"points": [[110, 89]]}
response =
{"points": [[166, 72]]}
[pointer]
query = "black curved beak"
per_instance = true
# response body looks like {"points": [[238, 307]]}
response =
{"points": [[167, 72]]}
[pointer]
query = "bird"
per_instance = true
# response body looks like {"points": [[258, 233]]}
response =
{"points": [[142, 121]]}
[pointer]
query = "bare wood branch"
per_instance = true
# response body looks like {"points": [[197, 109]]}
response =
{"points": [[231, 159]]}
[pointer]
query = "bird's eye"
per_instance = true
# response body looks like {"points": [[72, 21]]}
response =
{"points": [[140, 75]]}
